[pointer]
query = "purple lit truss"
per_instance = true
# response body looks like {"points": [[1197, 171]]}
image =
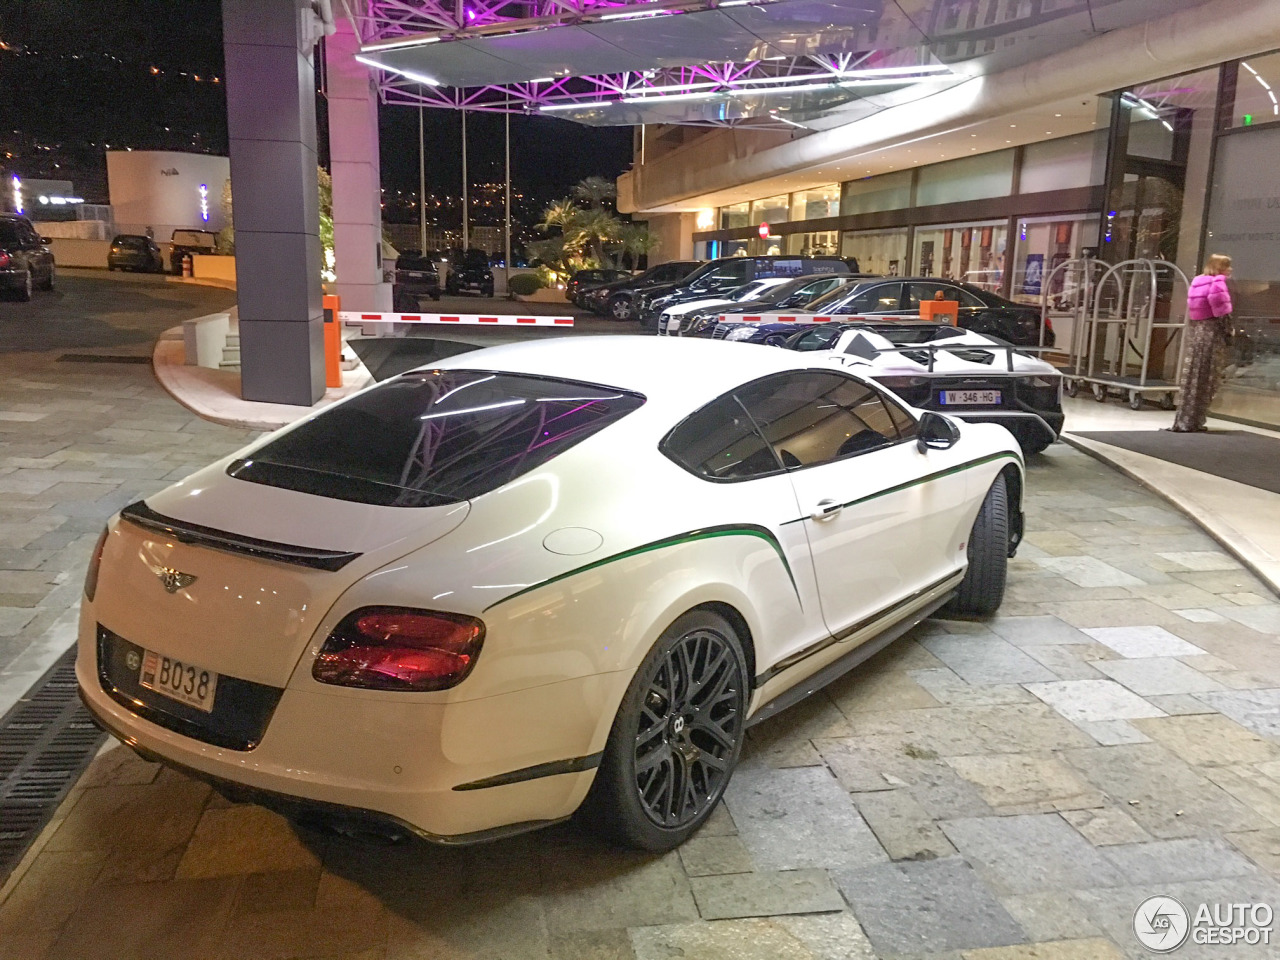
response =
{"points": [[771, 88]]}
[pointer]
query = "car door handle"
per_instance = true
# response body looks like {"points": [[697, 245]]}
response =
{"points": [[827, 509]]}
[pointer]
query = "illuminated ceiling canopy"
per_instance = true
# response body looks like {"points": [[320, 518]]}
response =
{"points": [[806, 63]]}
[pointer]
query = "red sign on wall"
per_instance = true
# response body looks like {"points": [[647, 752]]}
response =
{"points": [[764, 231]]}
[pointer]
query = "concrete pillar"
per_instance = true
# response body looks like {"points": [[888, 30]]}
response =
{"points": [[271, 118], [353, 157], [675, 236]]}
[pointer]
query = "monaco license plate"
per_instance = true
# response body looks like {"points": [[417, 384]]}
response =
{"points": [[958, 398], [179, 681]]}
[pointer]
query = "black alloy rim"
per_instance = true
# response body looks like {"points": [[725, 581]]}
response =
{"points": [[690, 723]]}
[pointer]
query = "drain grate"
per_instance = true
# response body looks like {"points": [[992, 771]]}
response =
{"points": [[101, 358], [46, 741]]}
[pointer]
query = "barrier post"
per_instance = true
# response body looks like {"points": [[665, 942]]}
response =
{"points": [[332, 342]]}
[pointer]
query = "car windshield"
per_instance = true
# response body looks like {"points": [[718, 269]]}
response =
{"points": [[434, 437], [835, 297]]}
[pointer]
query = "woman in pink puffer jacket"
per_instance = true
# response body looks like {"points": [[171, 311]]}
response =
{"points": [[1208, 315]]}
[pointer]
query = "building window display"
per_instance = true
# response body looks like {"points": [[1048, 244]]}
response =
{"points": [[882, 252], [817, 203], [769, 210], [889, 191], [1244, 224], [822, 244], [1042, 244], [736, 215], [971, 252]]}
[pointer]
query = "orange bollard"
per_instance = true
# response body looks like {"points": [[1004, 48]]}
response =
{"points": [[332, 342], [942, 311]]}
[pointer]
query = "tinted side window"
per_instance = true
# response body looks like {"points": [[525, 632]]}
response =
{"points": [[815, 418], [817, 339], [901, 419], [435, 437], [882, 298], [929, 291], [719, 442], [8, 233]]}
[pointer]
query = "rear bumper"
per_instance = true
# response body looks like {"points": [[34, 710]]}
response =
{"points": [[12, 279], [1026, 426], [451, 772]]}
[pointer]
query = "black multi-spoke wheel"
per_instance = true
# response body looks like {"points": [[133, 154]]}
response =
{"points": [[676, 738]]}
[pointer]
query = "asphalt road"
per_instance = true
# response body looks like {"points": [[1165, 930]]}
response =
{"points": [[92, 311]]}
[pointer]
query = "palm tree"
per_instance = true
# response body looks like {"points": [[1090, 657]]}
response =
{"points": [[595, 191], [636, 240], [558, 214]]}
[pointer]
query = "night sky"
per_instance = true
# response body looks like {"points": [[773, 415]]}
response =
{"points": [[76, 75]]}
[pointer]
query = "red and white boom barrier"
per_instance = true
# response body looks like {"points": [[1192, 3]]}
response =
{"points": [[786, 318], [458, 319]]}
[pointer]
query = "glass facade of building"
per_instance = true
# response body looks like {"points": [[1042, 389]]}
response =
{"points": [[1174, 170]]}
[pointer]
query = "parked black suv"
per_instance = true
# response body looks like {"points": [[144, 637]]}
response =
{"points": [[979, 311], [183, 242], [617, 300], [133, 251], [469, 273], [728, 273], [416, 277], [26, 262], [584, 280]]}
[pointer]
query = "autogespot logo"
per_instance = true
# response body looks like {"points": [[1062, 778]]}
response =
{"points": [[1163, 924]]}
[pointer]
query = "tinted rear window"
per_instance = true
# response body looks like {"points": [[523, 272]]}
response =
{"points": [[435, 437], [8, 232]]}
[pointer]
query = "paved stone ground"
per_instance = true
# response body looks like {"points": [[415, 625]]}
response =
{"points": [[1002, 790]]}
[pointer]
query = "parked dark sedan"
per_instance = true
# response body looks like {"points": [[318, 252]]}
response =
{"points": [[793, 295], [584, 280], [728, 273], [979, 310], [26, 262], [132, 251], [416, 277], [182, 242], [469, 273], [617, 300]]}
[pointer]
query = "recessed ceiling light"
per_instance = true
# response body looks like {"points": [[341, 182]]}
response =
{"points": [[1057, 114], [1012, 125]]}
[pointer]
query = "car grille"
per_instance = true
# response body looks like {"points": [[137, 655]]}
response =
{"points": [[719, 331], [241, 709]]}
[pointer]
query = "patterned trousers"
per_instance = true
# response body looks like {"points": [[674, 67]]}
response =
{"points": [[1205, 360]]}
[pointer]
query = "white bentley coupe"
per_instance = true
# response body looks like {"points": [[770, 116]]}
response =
{"points": [[534, 579]]}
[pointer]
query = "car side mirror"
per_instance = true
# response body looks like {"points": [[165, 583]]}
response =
{"points": [[935, 432], [46, 240]]}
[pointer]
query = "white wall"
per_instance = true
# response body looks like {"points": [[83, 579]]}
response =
{"points": [[160, 189]]}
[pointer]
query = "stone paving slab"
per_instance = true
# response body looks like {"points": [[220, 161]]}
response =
{"points": [[999, 790]]}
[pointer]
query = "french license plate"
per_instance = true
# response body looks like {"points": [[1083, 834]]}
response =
{"points": [[970, 397], [179, 681]]}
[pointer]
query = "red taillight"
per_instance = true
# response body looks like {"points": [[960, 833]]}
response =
{"points": [[94, 563], [395, 648], [1048, 324], [4, 259]]}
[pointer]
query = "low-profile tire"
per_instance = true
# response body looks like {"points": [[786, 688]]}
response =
{"points": [[621, 309], [676, 738], [48, 281], [982, 589], [23, 292]]}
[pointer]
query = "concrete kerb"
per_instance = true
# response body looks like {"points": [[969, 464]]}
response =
{"points": [[214, 394], [1216, 526]]}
